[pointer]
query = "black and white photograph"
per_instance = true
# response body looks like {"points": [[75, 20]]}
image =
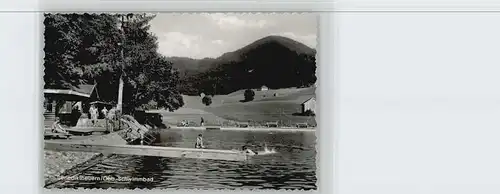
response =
{"points": [[209, 101]]}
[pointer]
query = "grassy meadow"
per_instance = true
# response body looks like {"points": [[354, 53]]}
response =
{"points": [[268, 106]]}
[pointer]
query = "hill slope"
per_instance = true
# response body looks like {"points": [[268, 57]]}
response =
{"points": [[264, 108], [189, 67], [274, 61]]}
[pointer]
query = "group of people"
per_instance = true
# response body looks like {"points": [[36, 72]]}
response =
{"points": [[185, 123], [107, 114], [94, 114]]}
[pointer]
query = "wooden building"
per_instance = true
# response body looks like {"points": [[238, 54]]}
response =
{"points": [[63, 103], [309, 104]]}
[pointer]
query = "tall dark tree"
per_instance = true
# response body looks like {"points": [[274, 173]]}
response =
{"points": [[73, 42], [206, 100], [249, 95], [85, 48], [148, 75]]}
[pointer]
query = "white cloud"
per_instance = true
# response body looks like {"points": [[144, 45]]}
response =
{"points": [[309, 39], [187, 45], [179, 44], [220, 42], [195, 46], [232, 22], [210, 35]]}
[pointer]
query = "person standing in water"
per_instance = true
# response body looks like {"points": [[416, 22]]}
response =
{"points": [[199, 142], [202, 123]]}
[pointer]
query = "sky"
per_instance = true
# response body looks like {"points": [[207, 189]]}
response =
{"points": [[212, 34]]}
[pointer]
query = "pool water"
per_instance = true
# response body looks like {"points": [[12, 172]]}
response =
{"points": [[292, 165]]}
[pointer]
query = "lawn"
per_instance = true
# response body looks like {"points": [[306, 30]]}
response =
{"points": [[193, 116], [266, 107], [262, 112], [227, 109]]}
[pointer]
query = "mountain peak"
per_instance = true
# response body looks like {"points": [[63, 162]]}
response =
{"points": [[283, 41], [271, 40], [259, 61]]}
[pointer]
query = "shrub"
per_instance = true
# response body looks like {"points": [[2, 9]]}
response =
{"points": [[309, 113], [249, 95], [206, 100]]}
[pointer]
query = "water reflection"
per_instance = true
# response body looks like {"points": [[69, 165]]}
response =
{"points": [[292, 167]]}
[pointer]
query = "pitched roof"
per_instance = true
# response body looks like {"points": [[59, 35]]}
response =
{"points": [[101, 102], [83, 90], [311, 98]]}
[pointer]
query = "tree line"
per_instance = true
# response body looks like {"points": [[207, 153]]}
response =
{"points": [[269, 63], [87, 49]]}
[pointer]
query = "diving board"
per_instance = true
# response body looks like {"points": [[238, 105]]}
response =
{"points": [[170, 152]]}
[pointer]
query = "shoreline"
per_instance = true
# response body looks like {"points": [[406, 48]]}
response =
{"points": [[58, 164], [216, 128], [62, 163]]}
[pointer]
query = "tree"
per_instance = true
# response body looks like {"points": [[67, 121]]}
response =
{"points": [[75, 41], [309, 113], [206, 100], [85, 48], [249, 95]]}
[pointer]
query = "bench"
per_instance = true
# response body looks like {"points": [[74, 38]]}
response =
{"points": [[272, 124], [242, 125], [302, 125], [187, 124]]}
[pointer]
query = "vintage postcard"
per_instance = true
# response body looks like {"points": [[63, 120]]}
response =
{"points": [[180, 101]]}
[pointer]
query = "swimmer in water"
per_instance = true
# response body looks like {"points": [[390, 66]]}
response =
{"points": [[248, 151], [199, 142]]}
